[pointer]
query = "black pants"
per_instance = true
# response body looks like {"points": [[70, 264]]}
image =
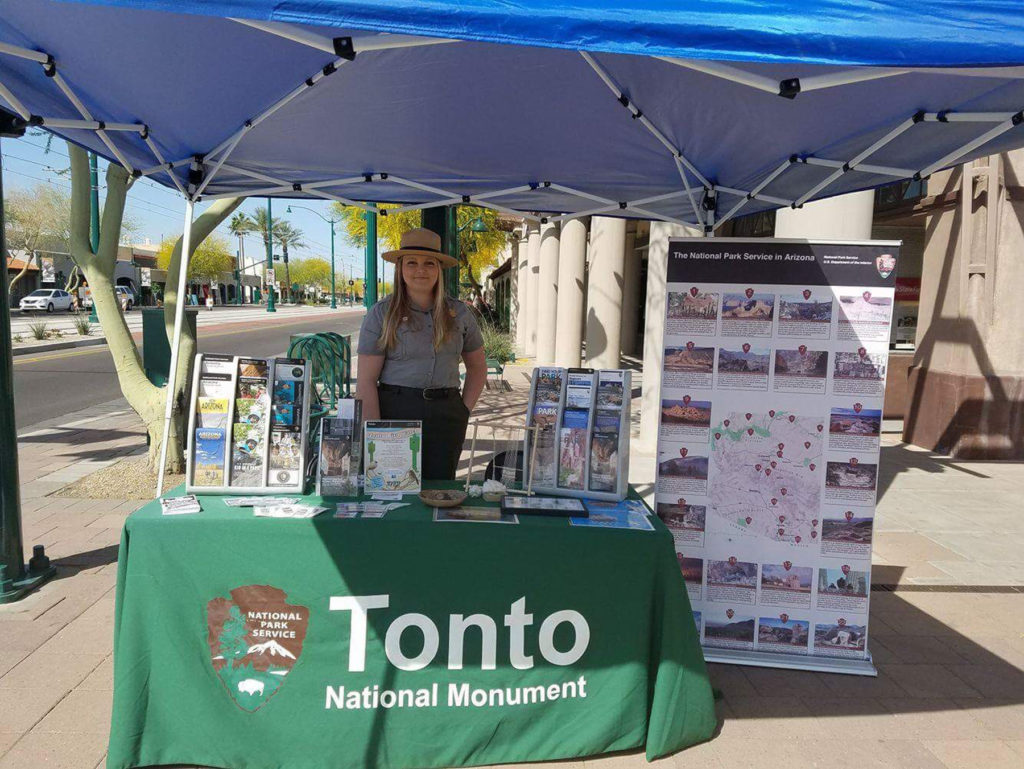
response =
{"points": [[444, 427]]}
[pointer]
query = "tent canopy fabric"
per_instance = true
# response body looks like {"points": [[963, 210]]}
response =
{"points": [[693, 113]]}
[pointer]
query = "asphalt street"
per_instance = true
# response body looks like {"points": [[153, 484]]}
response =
{"points": [[49, 384]]}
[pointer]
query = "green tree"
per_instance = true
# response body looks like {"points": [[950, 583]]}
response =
{"points": [[313, 274], [212, 257], [232, 636], [32, 217], [145, 398]]}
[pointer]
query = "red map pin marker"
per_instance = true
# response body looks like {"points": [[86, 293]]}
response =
{"points": [[846, 569], [749, 519], [693, 291], [857, 407], [807, 444], [797, 539], [771, 413], [718, 436], [686, 400], [767, 471], [782, 532], [775, 501], [782, 446], [814, 535], [748, 415], [689, 345], [729, 613], [757, 467], [867, 296], [807, 293], [683, 451], [812, 466], [849, 515], [784, 618], [820, 428], [749, 292], [725, 422], [787, 565], [732, 560], [750, 431], [746, 347], [792, 418], [778, 454], [802, 349]]}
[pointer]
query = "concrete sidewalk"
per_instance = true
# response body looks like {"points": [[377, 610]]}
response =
{"points": [[946, 607]]}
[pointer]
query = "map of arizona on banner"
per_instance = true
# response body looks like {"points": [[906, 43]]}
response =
{"points": [[768, 442]]}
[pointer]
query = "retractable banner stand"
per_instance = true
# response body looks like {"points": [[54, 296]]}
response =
{"points": [[768, 447]]}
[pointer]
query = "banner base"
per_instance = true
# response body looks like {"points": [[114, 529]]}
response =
{"points": [[791, 662]]}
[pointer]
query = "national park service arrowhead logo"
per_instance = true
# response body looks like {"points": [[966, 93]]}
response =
{"points": [[885, 264], [255, 639]]}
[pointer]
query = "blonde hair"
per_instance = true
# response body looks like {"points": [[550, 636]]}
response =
{"points": [[399, 311]]}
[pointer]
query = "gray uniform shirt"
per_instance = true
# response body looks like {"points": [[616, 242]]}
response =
{"points": [[414, 362]]}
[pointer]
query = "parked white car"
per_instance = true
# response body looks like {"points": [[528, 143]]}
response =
{"points": [[48, 299]]}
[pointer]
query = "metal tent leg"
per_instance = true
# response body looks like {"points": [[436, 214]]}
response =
{"points": [[179, 318], [16, 579]]}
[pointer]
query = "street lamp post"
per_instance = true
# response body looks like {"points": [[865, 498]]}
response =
{"points": [[270, 258], [332, 222]]}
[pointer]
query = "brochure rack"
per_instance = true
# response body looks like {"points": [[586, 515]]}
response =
{"points": [[582, 444], [248, 425]]}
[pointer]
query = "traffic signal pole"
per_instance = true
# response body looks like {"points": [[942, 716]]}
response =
{"points": [[16, 578], [270, 259], [370, 279]]}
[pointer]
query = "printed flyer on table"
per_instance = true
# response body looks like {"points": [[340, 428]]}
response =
{"points": [[768, 443]]}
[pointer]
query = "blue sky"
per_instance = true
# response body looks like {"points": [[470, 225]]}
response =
{"points": [[159, 211]]}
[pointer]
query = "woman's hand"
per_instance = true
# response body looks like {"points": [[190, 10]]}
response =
{"points": [[476, 376], [366, 384]]}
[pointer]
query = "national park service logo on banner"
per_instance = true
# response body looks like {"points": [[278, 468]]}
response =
{"points": [[255, 639], [885, 264]]}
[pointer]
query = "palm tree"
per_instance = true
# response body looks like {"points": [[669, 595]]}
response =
{"points": [[287, 236], [240, 226]]}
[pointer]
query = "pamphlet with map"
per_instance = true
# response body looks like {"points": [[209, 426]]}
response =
{"points": [[768, 443], [249, 431], [393, 455]]}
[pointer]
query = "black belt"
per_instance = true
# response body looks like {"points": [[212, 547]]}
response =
{"points": [[427, 393]]}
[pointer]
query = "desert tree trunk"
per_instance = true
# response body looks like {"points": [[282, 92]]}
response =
{"points": [[145, 398]]}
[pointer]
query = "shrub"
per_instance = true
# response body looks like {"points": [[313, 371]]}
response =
{"points": [[498, 345], [17, 339], [39, 330], [83, 326]]}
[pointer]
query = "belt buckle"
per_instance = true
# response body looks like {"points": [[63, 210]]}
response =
{"points": [[427, 390]]}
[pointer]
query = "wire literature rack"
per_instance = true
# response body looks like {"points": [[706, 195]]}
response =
{"points": [[504, 444]]}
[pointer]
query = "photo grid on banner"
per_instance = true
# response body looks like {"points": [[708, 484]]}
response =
{"points": [[768, 443]]}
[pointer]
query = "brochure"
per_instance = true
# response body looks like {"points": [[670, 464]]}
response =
{"points": [[614, 519], [247, 447], [217, 364], [392, 450], [464, 514], [287, 511], [604, 451], [559, 506], [572, 449], [249, 433], [254, 501], [180, 505], [340, 442], [210, 445], [215, 386], [211, 411], [285, 452]]}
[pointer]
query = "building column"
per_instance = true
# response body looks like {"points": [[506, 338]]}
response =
{"points": [[654, 330], [572, 263], [630, 293], [547, 298], [604, 291], [520, 293], [966, 384], [532, 288], [846, 217]]}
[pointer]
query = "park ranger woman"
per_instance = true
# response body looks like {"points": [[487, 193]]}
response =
{"points": [[410, 346]]}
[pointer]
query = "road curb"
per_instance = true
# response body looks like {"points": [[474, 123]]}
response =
{"points": [[59, 346]]}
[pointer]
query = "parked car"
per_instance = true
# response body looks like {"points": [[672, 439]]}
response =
{"points": [[48, 299]]}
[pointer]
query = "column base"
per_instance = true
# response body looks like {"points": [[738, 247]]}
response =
{"points": [[966, 416]]}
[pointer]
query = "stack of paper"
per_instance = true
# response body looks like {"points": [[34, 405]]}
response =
{"points": [[278, 510], [180, 505]]}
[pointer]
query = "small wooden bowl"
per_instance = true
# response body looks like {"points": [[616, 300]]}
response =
{"points": [[443, 497]]}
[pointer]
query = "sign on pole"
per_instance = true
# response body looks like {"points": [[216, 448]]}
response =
{"points": [[47, 269], [768, 446], [270, 277], [146, 277]]}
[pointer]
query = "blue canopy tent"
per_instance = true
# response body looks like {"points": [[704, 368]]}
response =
{"points": [[693, 113]]}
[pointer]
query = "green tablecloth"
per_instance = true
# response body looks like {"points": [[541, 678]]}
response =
{"points": [[228, 652]]}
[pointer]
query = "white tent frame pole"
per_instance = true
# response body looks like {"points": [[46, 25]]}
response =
{"points": [[754, 195], [62, 84], [90, 125], [15, 103], [967, 117], [868, 168], [639, 116], [312, 189], [848, 77], [689, 192], [859, 158], [726, 72], [179, 317], [973, 144], [322, 43], [24, 53], [159, 156]]}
